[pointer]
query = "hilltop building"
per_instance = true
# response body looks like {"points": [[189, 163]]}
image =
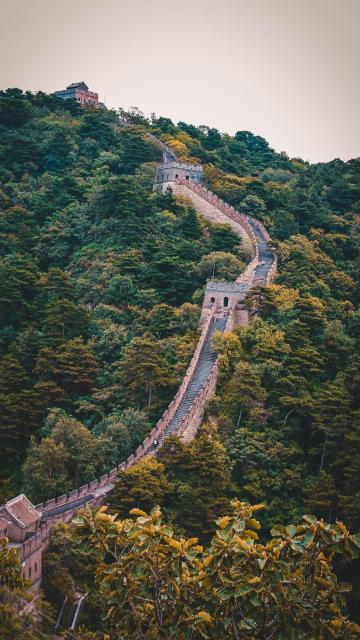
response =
{"points": [[79, 91]]}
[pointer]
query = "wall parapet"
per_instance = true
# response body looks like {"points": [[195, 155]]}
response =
{"points": [[223, 285], [169, 164], [161, 145], [226, 209]]}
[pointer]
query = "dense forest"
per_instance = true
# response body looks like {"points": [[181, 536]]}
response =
{"points": [[100, 294], [96, 272]]}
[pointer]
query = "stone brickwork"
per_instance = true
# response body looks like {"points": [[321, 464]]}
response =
{"points": [[170, 171], [216, 210]]}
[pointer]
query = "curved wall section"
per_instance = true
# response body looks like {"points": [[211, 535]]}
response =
{"points": [[216, 210]]}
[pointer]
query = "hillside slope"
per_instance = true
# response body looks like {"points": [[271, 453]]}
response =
{"points": [[97, 270]]}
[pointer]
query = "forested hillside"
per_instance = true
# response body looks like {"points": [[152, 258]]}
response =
{"points": [[287, 406], [101, 285]]}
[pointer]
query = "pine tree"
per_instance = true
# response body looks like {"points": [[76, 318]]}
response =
{"points": [[143, 371], [143, 486]]}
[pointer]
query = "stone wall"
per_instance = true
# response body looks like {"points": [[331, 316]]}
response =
{"points": [[216, 210], [194, 418], [171, 170], [62, 508]]}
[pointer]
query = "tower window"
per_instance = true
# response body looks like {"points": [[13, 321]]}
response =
{"points": [[176, 175], [187, 177], [226, 301], [212, 300]]}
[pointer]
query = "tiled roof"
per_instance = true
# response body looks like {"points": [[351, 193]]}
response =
{"points": [[22, 511], [78, 84], [3, 523]]}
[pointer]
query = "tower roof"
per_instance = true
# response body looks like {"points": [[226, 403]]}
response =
{"points": [[78, 85], [21, 511]]}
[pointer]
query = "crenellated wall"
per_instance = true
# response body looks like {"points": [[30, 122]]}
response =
{"points": [[222, 306], [216, 210], [171, 171]]}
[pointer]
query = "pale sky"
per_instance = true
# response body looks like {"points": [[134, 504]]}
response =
{"points": [[284, 69]]}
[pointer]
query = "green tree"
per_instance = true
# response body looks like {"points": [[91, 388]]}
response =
{"points": [[71, 365], [45, 470], [15, 394], [191, 227], [160, 320], [199, 473], [144, 485], [220, 265], [223, 238], [65, 458], [83, 461], [157, 584], [18, 286], [244, 396], [63, 321], [15, 110], [143, 371], [332, 414]]}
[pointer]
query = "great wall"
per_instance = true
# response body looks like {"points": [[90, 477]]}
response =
{"points": [[28, 527]]}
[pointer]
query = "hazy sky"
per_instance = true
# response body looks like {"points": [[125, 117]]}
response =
{"points": [[284, 69]]}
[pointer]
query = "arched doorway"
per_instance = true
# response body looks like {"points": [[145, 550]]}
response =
{"points": [[226, 301], [212, 300]]}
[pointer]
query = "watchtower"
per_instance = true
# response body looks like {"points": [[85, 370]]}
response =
{"points": [[171, 170], [228, 299], [19, 518]]}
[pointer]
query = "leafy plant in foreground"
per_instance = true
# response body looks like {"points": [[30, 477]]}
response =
{"points": [[159, 585]]}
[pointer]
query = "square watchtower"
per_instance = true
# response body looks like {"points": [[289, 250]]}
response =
{"points": [[170, 171]]}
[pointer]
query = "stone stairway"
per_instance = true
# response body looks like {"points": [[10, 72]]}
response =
{"points": [[266, 256], [199, 377]]}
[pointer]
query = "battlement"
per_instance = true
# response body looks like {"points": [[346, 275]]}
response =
{"points": [[170, 171], [224, 287]]}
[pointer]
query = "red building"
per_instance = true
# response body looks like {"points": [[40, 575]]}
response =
{"points": [[79, 91]]}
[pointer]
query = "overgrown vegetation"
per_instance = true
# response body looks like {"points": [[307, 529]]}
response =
{"points": [[152, 583]]}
